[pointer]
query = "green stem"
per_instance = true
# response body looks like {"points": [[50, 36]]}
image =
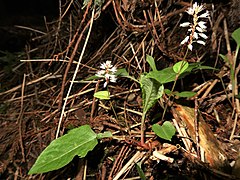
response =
{"points": [[174, 84]]}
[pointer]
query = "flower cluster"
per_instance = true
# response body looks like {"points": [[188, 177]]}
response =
{"points": [[108, 72], [197, 27]]}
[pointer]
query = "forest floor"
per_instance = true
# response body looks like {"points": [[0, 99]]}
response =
{"points": [[48, 88]]}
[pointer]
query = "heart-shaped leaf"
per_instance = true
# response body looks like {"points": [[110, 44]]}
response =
{"points": [[166, 131], [180, 67], [236, 36], [168, 75]]}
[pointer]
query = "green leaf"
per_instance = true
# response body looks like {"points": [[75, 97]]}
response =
{"points": [[92, 78], [237, 96], [185, 94], [123, 73], [224, 58], [102, 95], [61, 151], [166, 131], [180, 67], [163, 76], [168, 75], [167, 91], [206, 68], [140, 171], [106, 134], [151, 62], [151, 92], [236, 36]]}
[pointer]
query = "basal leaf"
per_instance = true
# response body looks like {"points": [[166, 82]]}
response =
{"points": [[151, 92], [180, 67], [151, 62], [166, 131], [236, 36], [102, 95], [61, 151]]}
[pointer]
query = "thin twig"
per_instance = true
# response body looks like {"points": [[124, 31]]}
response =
{"points": [[72, 56], [132, 161], [19, 120], [75, 74], [196, 126], [29, 83]]}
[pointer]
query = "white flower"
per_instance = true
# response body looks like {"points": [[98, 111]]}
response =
{"points": [[204, 15], [113, 78], [196, 28], [100, 73], [186, 24], [201, 42], [203, 35], [190, 46], [108, 72], [201, 24], [185, 40], [195, 35]]}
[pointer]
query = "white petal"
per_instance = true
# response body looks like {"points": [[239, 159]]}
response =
{"points": [[195, 6], [113, 78], [108, 64], [195, 35], [113, 69], [103, 66], [229, 86], [105, 84], [204, 36], [199, 9], [202, 24], [199, 29], [190, 47], [204, 15], [107, 76], [100, 73], [190, 11], [185, 24], [185, 40], [201, 42]]}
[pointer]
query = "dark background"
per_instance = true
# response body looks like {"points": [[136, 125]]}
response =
{"points": [[27, 13], [25, 8]]}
